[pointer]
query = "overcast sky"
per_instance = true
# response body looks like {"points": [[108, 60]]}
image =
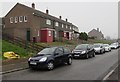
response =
{"points": [[85, 15]]}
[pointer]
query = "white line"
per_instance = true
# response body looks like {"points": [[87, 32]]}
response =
{"points": [[105, 78]]}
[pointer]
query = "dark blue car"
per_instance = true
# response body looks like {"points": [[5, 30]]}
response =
{"points": [[50, 57]]}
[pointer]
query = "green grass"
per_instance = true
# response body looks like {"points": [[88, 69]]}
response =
{"points": [[100, 41], [6, 47], [58, 43]]}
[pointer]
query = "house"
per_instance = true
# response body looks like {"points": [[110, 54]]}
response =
{"points": [[31, 24], [96, 34]]}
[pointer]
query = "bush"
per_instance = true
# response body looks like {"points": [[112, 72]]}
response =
{"points": [[83, 36]]}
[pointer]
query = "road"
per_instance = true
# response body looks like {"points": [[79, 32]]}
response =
{"points": [[81, 69]]}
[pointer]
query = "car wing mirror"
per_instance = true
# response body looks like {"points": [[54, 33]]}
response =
{"points": [[88, 48], [56, 54]]}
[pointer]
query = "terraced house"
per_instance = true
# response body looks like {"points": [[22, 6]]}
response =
{"points": [[30, 24]]}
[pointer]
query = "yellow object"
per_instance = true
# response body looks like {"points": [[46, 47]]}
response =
{"points": [[11, 55]]}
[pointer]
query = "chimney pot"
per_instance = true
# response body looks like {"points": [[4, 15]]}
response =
{"points": [[47, 11], [98, 29], [66, 19], [33, 5], [60, 17]]}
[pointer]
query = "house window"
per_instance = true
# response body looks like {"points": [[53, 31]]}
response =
{"points": [[70, 27], [25, 18], [21, 19], [11, 19], [48, 21], [64, 34], [56, 24], [49, 33], [55, 34], [16, 19], [66, 26], [38, 33], [62, 26]]}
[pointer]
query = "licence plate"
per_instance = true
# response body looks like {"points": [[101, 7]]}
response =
{"points": [[76, 55], [33, 63]]}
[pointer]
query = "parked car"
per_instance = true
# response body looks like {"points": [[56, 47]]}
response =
{"points": [[50, 57], [83, 50], [114, 46], [99, 48], [107, 47]]}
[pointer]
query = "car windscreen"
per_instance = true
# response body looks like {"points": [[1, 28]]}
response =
{"points": [[47, 51], [81, 47], [96, 45], [105, 45]]}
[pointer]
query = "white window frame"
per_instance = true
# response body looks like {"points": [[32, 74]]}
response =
{"points": [[38, 33], [11, 19], [16, 19], [20, 18], [55, 34], [25, 19], [62, 25], [64, 34], [70, 27], [56, 24], [49, 33], [66, 26], [48, 21]]}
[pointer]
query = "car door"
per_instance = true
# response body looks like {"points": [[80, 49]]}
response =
{"points": [[66, 54], [58, 55], [90, 50]]}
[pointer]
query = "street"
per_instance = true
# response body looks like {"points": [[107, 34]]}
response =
{"points": [[81, 69]]}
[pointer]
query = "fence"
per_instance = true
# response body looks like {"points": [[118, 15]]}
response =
{"points": [[22, 43]]}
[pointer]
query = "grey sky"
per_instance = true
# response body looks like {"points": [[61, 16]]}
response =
{"points": [[85, 15]]}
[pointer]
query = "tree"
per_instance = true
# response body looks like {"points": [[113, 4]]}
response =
{"points": [[83, 36]]}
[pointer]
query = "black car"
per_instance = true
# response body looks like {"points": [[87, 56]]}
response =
{"points": [[84, 51], [50, 57]]}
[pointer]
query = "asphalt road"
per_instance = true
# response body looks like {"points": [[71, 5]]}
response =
{"points": [[81, 69]]}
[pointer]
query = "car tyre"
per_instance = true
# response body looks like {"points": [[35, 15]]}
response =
{"points": [[50, 65], [69, 62], [86, 56], [94, 54]]}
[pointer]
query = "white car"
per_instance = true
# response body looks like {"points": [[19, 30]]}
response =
{"points": [[107, 47], [114, 46], [99, 48]]}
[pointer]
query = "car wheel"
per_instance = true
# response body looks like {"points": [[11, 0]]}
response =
{"points": [[101, 52], [94, 54], [69, 62], [50, 65], [86, 56]]}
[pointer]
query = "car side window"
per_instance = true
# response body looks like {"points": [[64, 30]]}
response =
{"points": [[59, 51], [66, 51]]}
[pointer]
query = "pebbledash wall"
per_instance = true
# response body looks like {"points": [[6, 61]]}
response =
{"points": [[30, 24]]}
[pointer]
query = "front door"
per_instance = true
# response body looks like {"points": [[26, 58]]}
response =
{"points": [[28, 35]]}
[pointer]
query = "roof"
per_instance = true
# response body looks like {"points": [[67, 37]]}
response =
{"points": [[95, 31], [42, 14]]}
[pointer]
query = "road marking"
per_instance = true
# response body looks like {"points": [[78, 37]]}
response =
{"points": [[105, 78]]}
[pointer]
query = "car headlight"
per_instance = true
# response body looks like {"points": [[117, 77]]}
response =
{"points": [[29, 59], [83, 52], [43, 59], [72, 51]]}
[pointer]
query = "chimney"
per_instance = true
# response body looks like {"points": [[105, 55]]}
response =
{"points": [[60, 17], [47, 11], [66, 19], [33, 5], [98, 29]]}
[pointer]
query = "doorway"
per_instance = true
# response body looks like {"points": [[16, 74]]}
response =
{"points": [[28, 35]]}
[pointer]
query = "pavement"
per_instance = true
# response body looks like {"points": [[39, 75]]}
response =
{"points": [[91, 69], [9, 66]]}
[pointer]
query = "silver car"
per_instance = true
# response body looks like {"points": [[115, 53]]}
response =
{"points": [[107, 47], [99, 48]]}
